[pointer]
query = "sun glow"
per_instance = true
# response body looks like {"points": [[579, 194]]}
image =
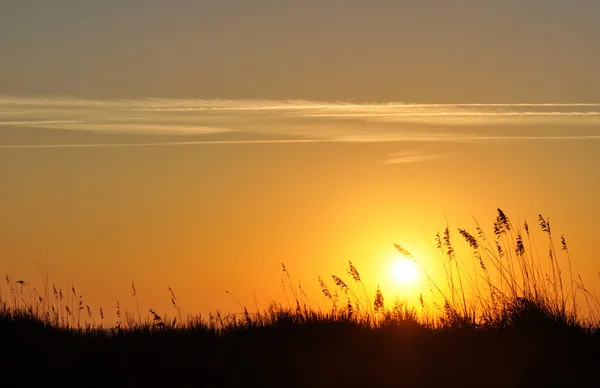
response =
{"points": [[405, 271]]}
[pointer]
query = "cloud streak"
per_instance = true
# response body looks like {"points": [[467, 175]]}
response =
{"points": [[394, 158], [408, 157], [295, 121], [166, 143]]}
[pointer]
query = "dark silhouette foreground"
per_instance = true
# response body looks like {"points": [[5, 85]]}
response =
{"points": [[296, 350], [522, 328]]}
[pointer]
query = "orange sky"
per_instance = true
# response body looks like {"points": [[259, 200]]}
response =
{"points": [[205, 218], [202, 144]]}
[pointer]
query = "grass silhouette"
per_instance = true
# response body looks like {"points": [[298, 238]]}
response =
{"points": [[509, 317]]}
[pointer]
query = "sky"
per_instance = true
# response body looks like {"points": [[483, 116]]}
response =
{"points": [[199, 145]]}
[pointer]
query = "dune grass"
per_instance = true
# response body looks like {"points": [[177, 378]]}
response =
{"points": [[508, 317]]}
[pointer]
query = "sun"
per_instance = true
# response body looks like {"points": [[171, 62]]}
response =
{"points": [[405, 271]]}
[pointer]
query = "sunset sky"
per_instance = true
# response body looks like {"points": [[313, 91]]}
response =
{"points": [[200, 144]]}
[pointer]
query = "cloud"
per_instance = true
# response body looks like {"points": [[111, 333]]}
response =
{"points": [[165, 143], [393, 158], [300, 120], [408, 157], [30, 123]]}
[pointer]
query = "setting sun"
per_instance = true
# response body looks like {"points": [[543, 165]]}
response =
{"points": [[405, 271]]}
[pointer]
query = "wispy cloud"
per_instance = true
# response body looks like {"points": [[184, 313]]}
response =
{"points": [[164, 143], [298, 120], [30, 123], [408, 157], [393, 158]]}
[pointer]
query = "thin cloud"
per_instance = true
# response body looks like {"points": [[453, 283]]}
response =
{"points": [[132, 128], [394, 158], [170, 143], [408, 157], [298, 120], [463, 114], [28, 123]]}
